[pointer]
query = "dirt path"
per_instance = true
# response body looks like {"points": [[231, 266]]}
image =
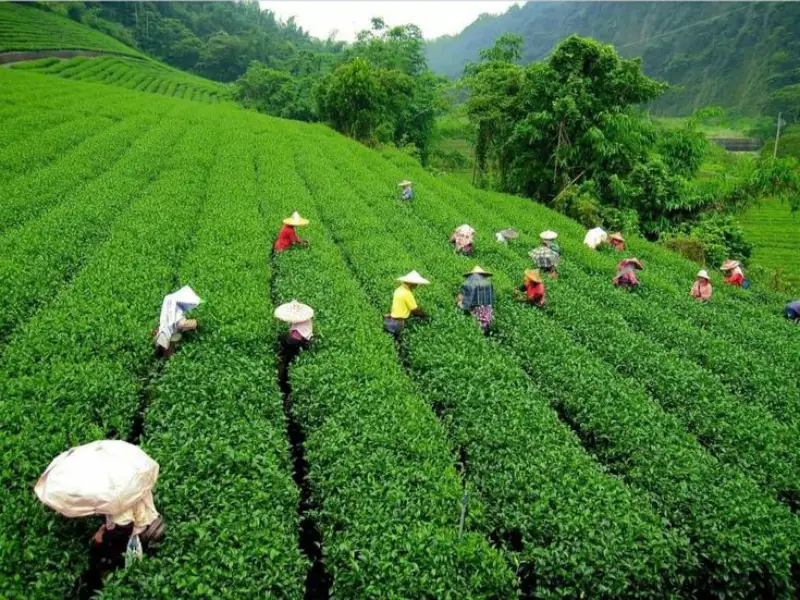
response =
{"points": [[9, 58]]}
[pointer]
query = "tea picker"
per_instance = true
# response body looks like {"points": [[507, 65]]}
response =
{"points": [[301, 332], [503, 236], [404, 305], [792, 311], [533, 288], [701, 290], [617, 241], [477, 297], [548, 254], [172, 322], [407, 192], [734, 274], [595, 237], [626, 273], [462, 239], [287, 236], [108, 478]]}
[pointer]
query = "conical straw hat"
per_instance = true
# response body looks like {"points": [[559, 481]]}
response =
{"points": [[533, 275], [413, 277], [548, 235], [294, 312], [633, 261], [617, 236], [703, 273], [729, 264], [295, 220], [404, 183], [477, 270]]}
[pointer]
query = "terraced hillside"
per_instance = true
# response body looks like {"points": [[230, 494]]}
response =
{"points": [[24, 28], [613, 445], [775, 232], [134, 74]]}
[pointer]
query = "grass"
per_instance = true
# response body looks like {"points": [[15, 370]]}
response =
{"points": [[775, 231]]}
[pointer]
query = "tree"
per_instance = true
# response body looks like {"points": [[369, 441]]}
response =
{"points": [[352, 99]]}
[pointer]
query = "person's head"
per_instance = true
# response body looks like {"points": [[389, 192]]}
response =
{"points": [[405, 184], [479, 273], [295, 220], [729, 265], [702, 276], [532, 276]]}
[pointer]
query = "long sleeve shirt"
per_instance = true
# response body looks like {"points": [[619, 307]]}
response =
{"points": [[534, 292], [701, 290], [476, 291], [287, 237], [736, 277]]}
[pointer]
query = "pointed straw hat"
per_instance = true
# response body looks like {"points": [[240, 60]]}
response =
{"points": [[294, 312], [509, 234], [404, 183], [616, 236], [413, 277], [548, 235], [703, 274], [295, 220], [533, 275], [729, 265], [477, 270], [633, 261]]}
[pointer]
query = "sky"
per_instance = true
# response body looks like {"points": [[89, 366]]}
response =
{"points": [[348, 17]]}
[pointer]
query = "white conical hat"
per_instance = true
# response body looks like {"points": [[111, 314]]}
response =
{"points": [[404, 183], [703, 273], [294, 312], [413, 277], [106, 477], [548, 235], [295, 220]]}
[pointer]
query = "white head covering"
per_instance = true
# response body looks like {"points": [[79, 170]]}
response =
{"points": [[595, 237], [548, 235], [304, 328], [294, 312], [106, 477], [172, 310], [703, 273]]}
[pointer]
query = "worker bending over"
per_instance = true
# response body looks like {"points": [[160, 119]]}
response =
{"points": [[171, 323], [733, 273], [548, 254], [617, 241], [701, 290], [301, 331], [287, 236], [595, 237], [404, 305], [462, 239], [533, 288], [626, 273], [477, 297], [793, 311], [407, 192]]}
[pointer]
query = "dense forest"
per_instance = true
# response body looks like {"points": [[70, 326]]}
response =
{"points": [[728, 54]]}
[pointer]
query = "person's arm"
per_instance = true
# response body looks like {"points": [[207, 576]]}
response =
{"points": [[418, 312], [705, 294], [695, 291]]}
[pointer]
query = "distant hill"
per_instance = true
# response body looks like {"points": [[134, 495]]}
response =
{"points": [[730, 54]]}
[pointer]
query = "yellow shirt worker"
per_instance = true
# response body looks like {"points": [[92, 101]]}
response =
{"points": [[404, 305]]}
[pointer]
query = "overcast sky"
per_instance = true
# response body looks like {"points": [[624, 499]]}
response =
{"points": [[348, 17]]}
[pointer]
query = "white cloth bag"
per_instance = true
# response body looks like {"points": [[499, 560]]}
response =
{"points": [[595, 237], [108, 477]]}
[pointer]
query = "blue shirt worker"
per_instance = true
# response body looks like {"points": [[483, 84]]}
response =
{"points": [[407, 193], [477, 297], [793, 311]]}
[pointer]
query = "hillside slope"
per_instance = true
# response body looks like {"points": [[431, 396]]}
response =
{"points": [[25, 28], [109, 199], [723, 53]]}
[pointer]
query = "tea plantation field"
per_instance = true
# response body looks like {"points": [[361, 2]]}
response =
{"points": [[613, 445]]}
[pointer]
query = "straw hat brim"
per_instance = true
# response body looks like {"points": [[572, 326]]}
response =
{"points": [[729, 264], [533, 275], [413, 278], [616, 236], [294, 312], [478, 271], [404, 183], [548, 235], [703, 275], [301, 222]]}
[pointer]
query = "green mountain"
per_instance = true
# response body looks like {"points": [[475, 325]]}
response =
{"points": [[723, 53]]}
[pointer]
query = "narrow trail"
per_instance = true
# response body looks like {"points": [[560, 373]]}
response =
{"points": [[11, 58]]}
